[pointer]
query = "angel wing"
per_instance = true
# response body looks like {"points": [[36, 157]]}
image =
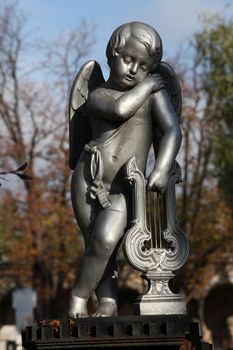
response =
{"points": [[88, 78], [172, 86], [174, 92]]}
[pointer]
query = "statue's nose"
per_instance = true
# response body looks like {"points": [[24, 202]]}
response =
{"points": [[133, 68]]}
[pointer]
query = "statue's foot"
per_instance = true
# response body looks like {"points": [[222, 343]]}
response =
{"points": [[107, 308], [77, 315], [78, 307]]}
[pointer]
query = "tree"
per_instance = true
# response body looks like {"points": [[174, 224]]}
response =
{"points": [[40, 245], [205, 202], [215, 49]]}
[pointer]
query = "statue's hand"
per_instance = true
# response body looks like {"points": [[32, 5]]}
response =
{"points": [[157, 182], [156, 82]]}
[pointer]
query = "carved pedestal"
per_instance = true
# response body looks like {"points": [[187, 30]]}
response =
{"points": [[159, 298]]}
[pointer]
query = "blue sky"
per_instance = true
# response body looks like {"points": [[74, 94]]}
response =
{"points": [[175, 20]]}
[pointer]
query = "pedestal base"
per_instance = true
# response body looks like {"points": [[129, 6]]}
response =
{"points": [[164, 332], [169, 305]]}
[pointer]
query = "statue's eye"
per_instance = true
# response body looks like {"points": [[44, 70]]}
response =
{"points": [[143, 68], [127, 59]]}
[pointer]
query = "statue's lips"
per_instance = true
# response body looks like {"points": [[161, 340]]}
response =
{"points": [[129, 77]]}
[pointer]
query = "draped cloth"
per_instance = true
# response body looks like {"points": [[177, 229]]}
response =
{"points": [[97, 170], [97, 165]]}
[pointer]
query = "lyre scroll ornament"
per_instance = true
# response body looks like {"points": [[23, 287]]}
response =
{"points": [[156, 254]]}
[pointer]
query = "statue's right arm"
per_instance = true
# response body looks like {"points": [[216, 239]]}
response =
{"points": [[105, 105]]}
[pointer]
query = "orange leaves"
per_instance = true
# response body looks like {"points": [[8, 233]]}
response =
{"points": [[41, 231]]}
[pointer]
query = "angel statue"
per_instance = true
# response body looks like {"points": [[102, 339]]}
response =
{"points": [[111, 122]]}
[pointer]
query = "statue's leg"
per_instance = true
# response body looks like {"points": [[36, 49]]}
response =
{"points": [[84, 208], [85, 212], [107, 231], [106, 291]]}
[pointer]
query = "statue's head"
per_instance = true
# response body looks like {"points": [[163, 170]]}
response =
{"points": [[138, 31]]}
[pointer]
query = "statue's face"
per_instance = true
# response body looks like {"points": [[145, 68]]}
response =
{"points": [[131, 65]]}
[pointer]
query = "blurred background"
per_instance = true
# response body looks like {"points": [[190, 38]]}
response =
{"points": [[42, 46]]}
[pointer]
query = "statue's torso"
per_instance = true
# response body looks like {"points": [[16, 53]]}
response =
{"points": [[120, 141]]}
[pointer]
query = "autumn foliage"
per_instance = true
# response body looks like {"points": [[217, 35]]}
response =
{"points": [[204, 201], [40, 244]]}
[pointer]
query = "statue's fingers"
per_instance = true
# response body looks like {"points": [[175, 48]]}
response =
{"points": [[151, 187], [161, 83]]}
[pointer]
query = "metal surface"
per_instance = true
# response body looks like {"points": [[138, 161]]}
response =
{"points": [[110, 123], [163, 332], [158, 251]]}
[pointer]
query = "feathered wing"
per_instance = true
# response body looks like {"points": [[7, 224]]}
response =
{"points": [[172, 86], [88, 78], [174, 92]]}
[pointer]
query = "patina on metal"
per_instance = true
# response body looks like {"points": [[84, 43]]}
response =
{"points": [[113, 123]]}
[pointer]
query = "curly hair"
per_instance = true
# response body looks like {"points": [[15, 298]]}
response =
{"points": [[142, 32]]}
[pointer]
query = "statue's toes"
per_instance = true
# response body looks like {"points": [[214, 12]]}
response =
{"points": [[77, 315], [106, 310], [98, 314]]}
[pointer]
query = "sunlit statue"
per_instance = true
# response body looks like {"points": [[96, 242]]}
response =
{"points": [[111, 123]]}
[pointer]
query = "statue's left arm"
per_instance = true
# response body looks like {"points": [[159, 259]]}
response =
{"points": [[166, 120]]}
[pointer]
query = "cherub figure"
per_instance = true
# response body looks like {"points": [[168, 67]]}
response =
{"points": [[110, 122]]}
